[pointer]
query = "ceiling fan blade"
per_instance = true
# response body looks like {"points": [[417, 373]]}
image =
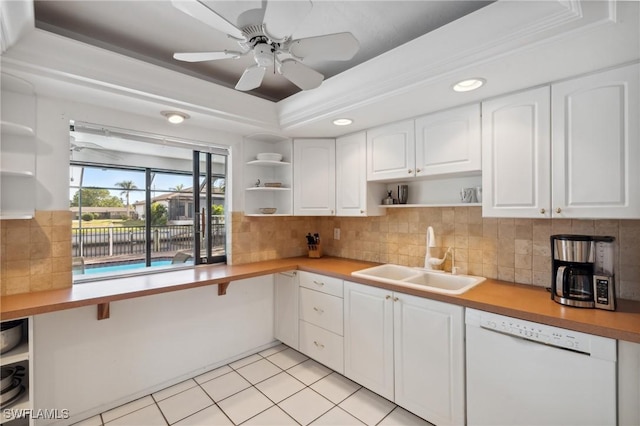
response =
{"points": [[202, 13], [205, 56], [335, 47], [281, 18], [251, 78], [301, 75]]}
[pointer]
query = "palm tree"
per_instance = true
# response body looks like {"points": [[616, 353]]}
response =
{"points": [[127, 186]]}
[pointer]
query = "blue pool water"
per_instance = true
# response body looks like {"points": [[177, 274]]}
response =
{"points": [[124, 267]]}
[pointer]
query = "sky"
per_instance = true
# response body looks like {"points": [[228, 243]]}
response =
{"points": [[162, 183]]}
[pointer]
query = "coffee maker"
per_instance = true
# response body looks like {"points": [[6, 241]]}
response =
{"points": [[582, 272]]}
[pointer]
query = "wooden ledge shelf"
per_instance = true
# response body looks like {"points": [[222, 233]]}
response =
{"points": [[520, 301]]}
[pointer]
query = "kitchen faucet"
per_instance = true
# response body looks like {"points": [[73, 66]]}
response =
{"points": [[429, 261]]}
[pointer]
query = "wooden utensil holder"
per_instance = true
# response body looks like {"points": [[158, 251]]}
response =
{"points": [[317, 252]]}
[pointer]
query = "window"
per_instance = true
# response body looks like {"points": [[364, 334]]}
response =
{"points": [[140, 206]]}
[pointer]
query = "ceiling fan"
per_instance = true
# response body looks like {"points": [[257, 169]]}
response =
{"points": [[270, 40], [77, 146]]}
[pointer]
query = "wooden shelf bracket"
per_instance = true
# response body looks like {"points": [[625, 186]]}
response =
{"points": [[103, 311], [222, 288]]}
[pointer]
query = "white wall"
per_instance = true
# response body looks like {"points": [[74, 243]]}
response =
{"points": [[87, 366], [52, 164]]}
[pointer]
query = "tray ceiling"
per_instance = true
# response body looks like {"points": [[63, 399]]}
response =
{"points": [[153, 30]]}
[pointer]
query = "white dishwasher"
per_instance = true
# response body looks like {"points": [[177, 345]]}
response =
{"points": [[525, 373]]}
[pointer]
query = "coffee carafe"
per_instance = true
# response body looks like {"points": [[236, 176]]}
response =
{"points": [[582, 271]]}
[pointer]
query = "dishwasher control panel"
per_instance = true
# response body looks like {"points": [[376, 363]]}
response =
{"points": [[559, 337]]}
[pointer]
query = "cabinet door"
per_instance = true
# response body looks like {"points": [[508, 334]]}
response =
{"points": [[429, 359], [449, 141], [368, 337], [596, 145], [351, 175], [516, 155], [286, 308], [314, 177], [391, 151]]}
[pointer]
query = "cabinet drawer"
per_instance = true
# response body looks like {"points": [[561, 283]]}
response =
{"points": [[321, 283], [324, 346], [323, 310]]}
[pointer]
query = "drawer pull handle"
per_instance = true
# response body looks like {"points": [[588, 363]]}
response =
{"points": [[318, 345], [318, 310], [320, 283]]}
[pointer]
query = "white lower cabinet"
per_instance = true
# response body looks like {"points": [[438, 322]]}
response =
{"points": [[368, 332], [321, 319], [286, 308], [322, 345], [408, 349]]}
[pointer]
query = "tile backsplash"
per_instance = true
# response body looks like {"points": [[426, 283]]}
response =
{"points": [[516, 250], [35, 253]]}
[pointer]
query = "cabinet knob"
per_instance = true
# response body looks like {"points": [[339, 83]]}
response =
{"points": [[395, 299], [418, 170], [361, 211], [388, 296], [558, 210], [542, 211], [410, 171]]}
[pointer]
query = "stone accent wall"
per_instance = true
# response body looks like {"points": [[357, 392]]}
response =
{"points": [[257, 238], [35, 253], [516, 250]]}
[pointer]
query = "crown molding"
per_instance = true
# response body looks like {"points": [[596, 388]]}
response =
{"points": [[500, 29]]}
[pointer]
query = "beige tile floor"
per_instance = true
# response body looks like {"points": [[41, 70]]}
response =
{"points": [[278, 386]]}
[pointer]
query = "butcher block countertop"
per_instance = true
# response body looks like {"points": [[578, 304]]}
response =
{"points": [[516, 300]]}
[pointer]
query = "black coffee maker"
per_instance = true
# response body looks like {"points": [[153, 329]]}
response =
{"points": [[582, 271]]}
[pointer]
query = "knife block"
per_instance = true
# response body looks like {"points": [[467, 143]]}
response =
{"points": [[317, 252]]}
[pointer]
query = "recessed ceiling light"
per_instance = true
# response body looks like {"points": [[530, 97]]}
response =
{"points": [[469, 84], [342, 121], [175, 117]]}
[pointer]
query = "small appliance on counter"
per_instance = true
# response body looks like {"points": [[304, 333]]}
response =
{"points": [[582, 273]]}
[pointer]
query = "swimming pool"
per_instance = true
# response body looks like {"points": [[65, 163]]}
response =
{"points": [[99, 269]]}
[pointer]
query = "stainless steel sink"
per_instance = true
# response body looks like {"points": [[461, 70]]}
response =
{"points": [[405, 276]]}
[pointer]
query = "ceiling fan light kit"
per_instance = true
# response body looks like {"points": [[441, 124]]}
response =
{"points": [[271, 43]]}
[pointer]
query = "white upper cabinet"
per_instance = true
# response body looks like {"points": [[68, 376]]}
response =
{"points": [[596, 145], [516, 155], [571, 153], [314, 176], [448, 142], [354, 196], [391, 151]]}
